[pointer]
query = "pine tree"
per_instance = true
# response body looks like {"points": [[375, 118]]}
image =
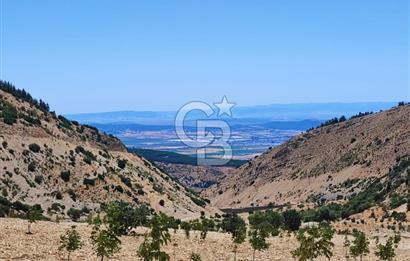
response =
{"points": [[70, 241]]}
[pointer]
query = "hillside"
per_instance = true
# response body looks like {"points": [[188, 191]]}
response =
{"points": [[185, 167], [331, 163], [59, 164]]}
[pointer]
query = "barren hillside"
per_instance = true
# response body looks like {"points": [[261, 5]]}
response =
{"points": [[59, 164], [330, 163]]}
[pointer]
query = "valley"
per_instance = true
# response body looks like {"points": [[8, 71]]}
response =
{"points": [[338, 182]]}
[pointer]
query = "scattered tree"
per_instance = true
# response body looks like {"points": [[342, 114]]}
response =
{"points": [[70, 241], [33, 214], [187, 228], [150, 249], [121, 217], [346, 245], [314, 242], [195, 257], [360, 245], [235, 225], [386, 252], [105, 241], [258, 241]]}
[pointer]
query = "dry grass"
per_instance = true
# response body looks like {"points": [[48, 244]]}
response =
{"points": [[43, 245]]}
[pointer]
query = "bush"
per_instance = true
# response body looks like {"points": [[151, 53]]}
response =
{"points": [[64, 122], [126, 181], [8, 112], [56, 207], [65, 175], [31, 167], [122, 164], [89, 182], [162, 203], [34, 148], [401, 217], [59, 196], [39, 179], [195, 257], [198, 201], [20, 206], [292, 220], [74, 214]]}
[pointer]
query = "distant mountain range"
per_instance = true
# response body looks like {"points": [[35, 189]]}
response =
{"points": [[242, 115]]}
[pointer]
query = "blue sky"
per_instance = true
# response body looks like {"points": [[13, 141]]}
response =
{"points": [[92, 56]]}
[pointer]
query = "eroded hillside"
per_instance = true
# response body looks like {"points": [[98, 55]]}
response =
{"points": [[331, 163], [59, 164]]}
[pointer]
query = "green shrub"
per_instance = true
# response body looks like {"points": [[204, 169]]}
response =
{"points": [[39, 179], [74, 214], [34, 147], [65, 175], [64, 122], [121, 217], [8, 112], [292, 220], [122, 163], [31, 167], [198, 201], [89, 182]]}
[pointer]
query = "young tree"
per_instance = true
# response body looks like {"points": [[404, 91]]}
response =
{"points": [[396, 239], [70, 241], [235, 225], [258, 241], [314, 242], [346, 245], [386, 252], [187, 228], [105, 241], [205, 226], [195, 257], [360, 245], [33, 214], [150, 249]]}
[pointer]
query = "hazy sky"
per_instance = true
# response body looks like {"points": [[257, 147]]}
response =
{"points": [[92, 56]]}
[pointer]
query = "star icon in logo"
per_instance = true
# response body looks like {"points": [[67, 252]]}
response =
{"points": [[225, 107]]}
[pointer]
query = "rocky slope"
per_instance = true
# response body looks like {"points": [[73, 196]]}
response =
{"points": [[331, 163], [194, 177], [59, 164]]}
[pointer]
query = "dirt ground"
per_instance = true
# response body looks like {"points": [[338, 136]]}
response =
{"points": [[15, 244]]}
